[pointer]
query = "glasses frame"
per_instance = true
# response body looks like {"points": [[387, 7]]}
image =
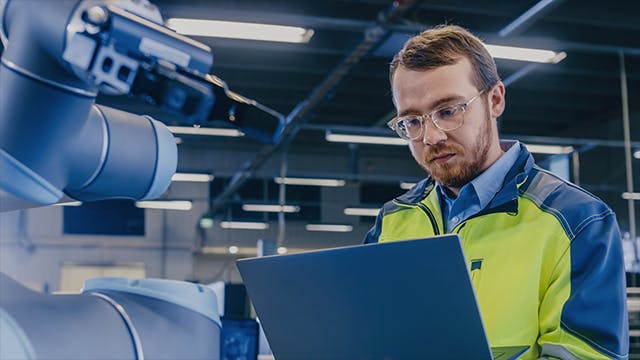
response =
{"points": [[393, 123]]}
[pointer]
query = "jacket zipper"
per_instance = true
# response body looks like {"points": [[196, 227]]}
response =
{"points": [[475, 265], [424, 209], [460, 226]]}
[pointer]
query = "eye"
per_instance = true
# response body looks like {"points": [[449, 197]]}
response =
{"points": [[411, 121], [448, 113]]}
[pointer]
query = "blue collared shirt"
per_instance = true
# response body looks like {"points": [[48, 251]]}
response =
{"points": [[476, 195]]}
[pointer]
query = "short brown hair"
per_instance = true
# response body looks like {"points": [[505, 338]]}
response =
{"points": [[445, 45]]}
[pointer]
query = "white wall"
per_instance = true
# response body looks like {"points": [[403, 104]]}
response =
{"points": [[33, 249]]}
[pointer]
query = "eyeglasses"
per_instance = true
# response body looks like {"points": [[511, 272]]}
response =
{"points": [[448, 118]]}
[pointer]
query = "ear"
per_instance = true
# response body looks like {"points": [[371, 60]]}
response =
{"points": [[496, 100]]}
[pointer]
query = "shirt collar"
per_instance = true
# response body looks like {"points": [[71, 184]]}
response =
{"points": [[486, 185]]}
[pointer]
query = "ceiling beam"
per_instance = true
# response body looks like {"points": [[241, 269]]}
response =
{"points": [[524, 21]]}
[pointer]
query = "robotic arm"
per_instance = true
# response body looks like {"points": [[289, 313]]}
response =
{"points": [[54, 140]]}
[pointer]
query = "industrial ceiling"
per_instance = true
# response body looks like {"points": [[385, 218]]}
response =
{"points": [[338, 80], [340, 77]]}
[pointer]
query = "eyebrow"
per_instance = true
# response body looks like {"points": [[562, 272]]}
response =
{"points": [[436, 104]]}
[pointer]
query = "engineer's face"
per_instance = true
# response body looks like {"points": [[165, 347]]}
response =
{"points": [[456, 157]]}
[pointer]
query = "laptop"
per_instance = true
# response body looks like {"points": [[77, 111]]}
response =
{"points": [[398, 300]]}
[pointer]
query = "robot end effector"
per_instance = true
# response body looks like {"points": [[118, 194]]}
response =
{"points": [[54, 140], [123, 52]]}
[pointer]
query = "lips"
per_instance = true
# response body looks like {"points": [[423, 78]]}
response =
{"points": [[442, 158]]}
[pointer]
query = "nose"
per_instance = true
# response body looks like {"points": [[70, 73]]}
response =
{"points": [[431, 135]]}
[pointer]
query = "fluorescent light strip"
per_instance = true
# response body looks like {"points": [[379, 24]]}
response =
{"points": [[183, 205], [525, 54], [365, 139], [192, 177], [70, 203], [406, 185], [361, 211], [244, 225], [271, 208], [226, 250], [549, 149], [247, 250], [309, 181], [329, 227], [190, 130], [381, 140], [631, 195], [240, 30]]}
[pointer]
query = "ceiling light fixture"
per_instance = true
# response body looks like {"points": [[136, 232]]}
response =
{"points": [[358, 211], [224, 250], [525, 54], [271, 208], [636, 154], [329, 227], [364, 139], [192, 177], [309, 181], [240, 30], [244, 225], [332, 136], [183, 205], [247, 250], [549, 149], [70, 203], [406, 185], [631, 195], [192, 130]]}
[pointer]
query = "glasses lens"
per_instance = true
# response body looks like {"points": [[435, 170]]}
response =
{"points": [[449, 118], [410, 127]]}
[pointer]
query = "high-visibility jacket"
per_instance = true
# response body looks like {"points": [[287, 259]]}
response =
{"points": [[545, 259]]}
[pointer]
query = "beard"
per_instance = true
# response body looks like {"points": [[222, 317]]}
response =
{"points": [[467, 164]]}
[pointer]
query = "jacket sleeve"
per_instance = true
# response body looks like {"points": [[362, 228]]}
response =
{"points": [[374, 233], [583, 312]]}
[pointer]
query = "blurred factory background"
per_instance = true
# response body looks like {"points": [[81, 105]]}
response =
{"points": [[329, 101]]}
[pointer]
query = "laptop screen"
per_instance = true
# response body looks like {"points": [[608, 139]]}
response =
{"points": [[395, 300]]}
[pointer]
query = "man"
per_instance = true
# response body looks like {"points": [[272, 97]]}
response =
{"points": [[545, 256]]}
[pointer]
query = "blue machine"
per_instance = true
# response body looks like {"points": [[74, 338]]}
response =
{"points": [[114, 318], [54, 140], [56, 144]]}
